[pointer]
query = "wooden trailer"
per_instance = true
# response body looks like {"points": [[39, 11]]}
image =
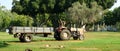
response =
{"points": [[25, 33]]}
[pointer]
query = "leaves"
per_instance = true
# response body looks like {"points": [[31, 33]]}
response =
{"points": [[112, 17], [80, 13], [12, 19], [57, 8], [21, 20]]}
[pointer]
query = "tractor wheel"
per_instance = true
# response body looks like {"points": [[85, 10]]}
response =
{"points": [[21, 38], [27, 37], [65, 35], [75, 38], [81, 37], [57, 36]]}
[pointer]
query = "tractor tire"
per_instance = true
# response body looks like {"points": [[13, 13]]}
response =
{"points": [[81, 37], [75, 38], [21, 38], [57, 36], [27, 38], [65, 34]]}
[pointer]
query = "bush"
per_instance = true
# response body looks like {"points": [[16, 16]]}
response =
{"points": [[21, 20], [118, 26], [4, 19], [12, 19]]}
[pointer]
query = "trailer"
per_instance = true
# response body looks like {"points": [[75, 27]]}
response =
{"points": [[25, 34]]}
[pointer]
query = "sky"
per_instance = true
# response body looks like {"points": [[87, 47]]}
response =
{"points": [[117, 4], [8, 4]]}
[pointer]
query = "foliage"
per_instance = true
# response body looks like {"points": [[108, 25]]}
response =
{"points": [[33, 7], [54, 8], [82, 14], [12, 19], [118, 26], [4, 18], [21, 20], [112, 17], [108, 18], [104, 3], [42, 19], [116, 14]]}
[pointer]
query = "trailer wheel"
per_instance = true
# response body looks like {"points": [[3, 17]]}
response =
{"points": [[57, 36], [65, 35], [21, 38], [75, 38], [27, 37], [81, 37]]}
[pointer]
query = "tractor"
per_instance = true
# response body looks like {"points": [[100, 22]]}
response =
{"points": [[64, 33]]}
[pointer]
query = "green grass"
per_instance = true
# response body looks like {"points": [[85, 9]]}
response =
{"points": [[94, 41]]}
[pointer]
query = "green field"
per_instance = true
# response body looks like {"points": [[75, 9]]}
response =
{"points": [[94, 41]]}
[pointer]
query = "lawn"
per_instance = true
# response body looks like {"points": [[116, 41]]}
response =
{"points": [[94, 41]]}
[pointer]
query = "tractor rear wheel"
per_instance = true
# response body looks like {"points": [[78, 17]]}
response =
{"points": [[27, 37], [21, 38], [65, 34], [57, 36]]}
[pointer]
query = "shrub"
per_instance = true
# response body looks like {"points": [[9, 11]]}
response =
{"points": [[118, 26]]}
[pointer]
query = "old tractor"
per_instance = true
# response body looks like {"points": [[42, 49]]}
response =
{"points": [[64, 33]]}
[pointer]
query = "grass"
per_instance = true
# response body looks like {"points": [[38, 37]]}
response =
{"points": [[94, 41]]}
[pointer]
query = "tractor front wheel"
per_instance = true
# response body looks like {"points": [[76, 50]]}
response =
{"points": [[81, 37]]}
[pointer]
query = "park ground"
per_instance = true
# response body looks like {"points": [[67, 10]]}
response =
{"points": [[94, 41]]}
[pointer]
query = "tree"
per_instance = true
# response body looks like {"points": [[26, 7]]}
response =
{"points": [[54, 8], [108, 18], [80, 13], [112, 17], [21, 20], [116, 14], [104, 3], [33, 7], [4, 18]]}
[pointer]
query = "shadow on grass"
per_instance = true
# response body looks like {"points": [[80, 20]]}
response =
{"points": [[14, 41], [3, 44], [41, 40], [44, 40]]}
